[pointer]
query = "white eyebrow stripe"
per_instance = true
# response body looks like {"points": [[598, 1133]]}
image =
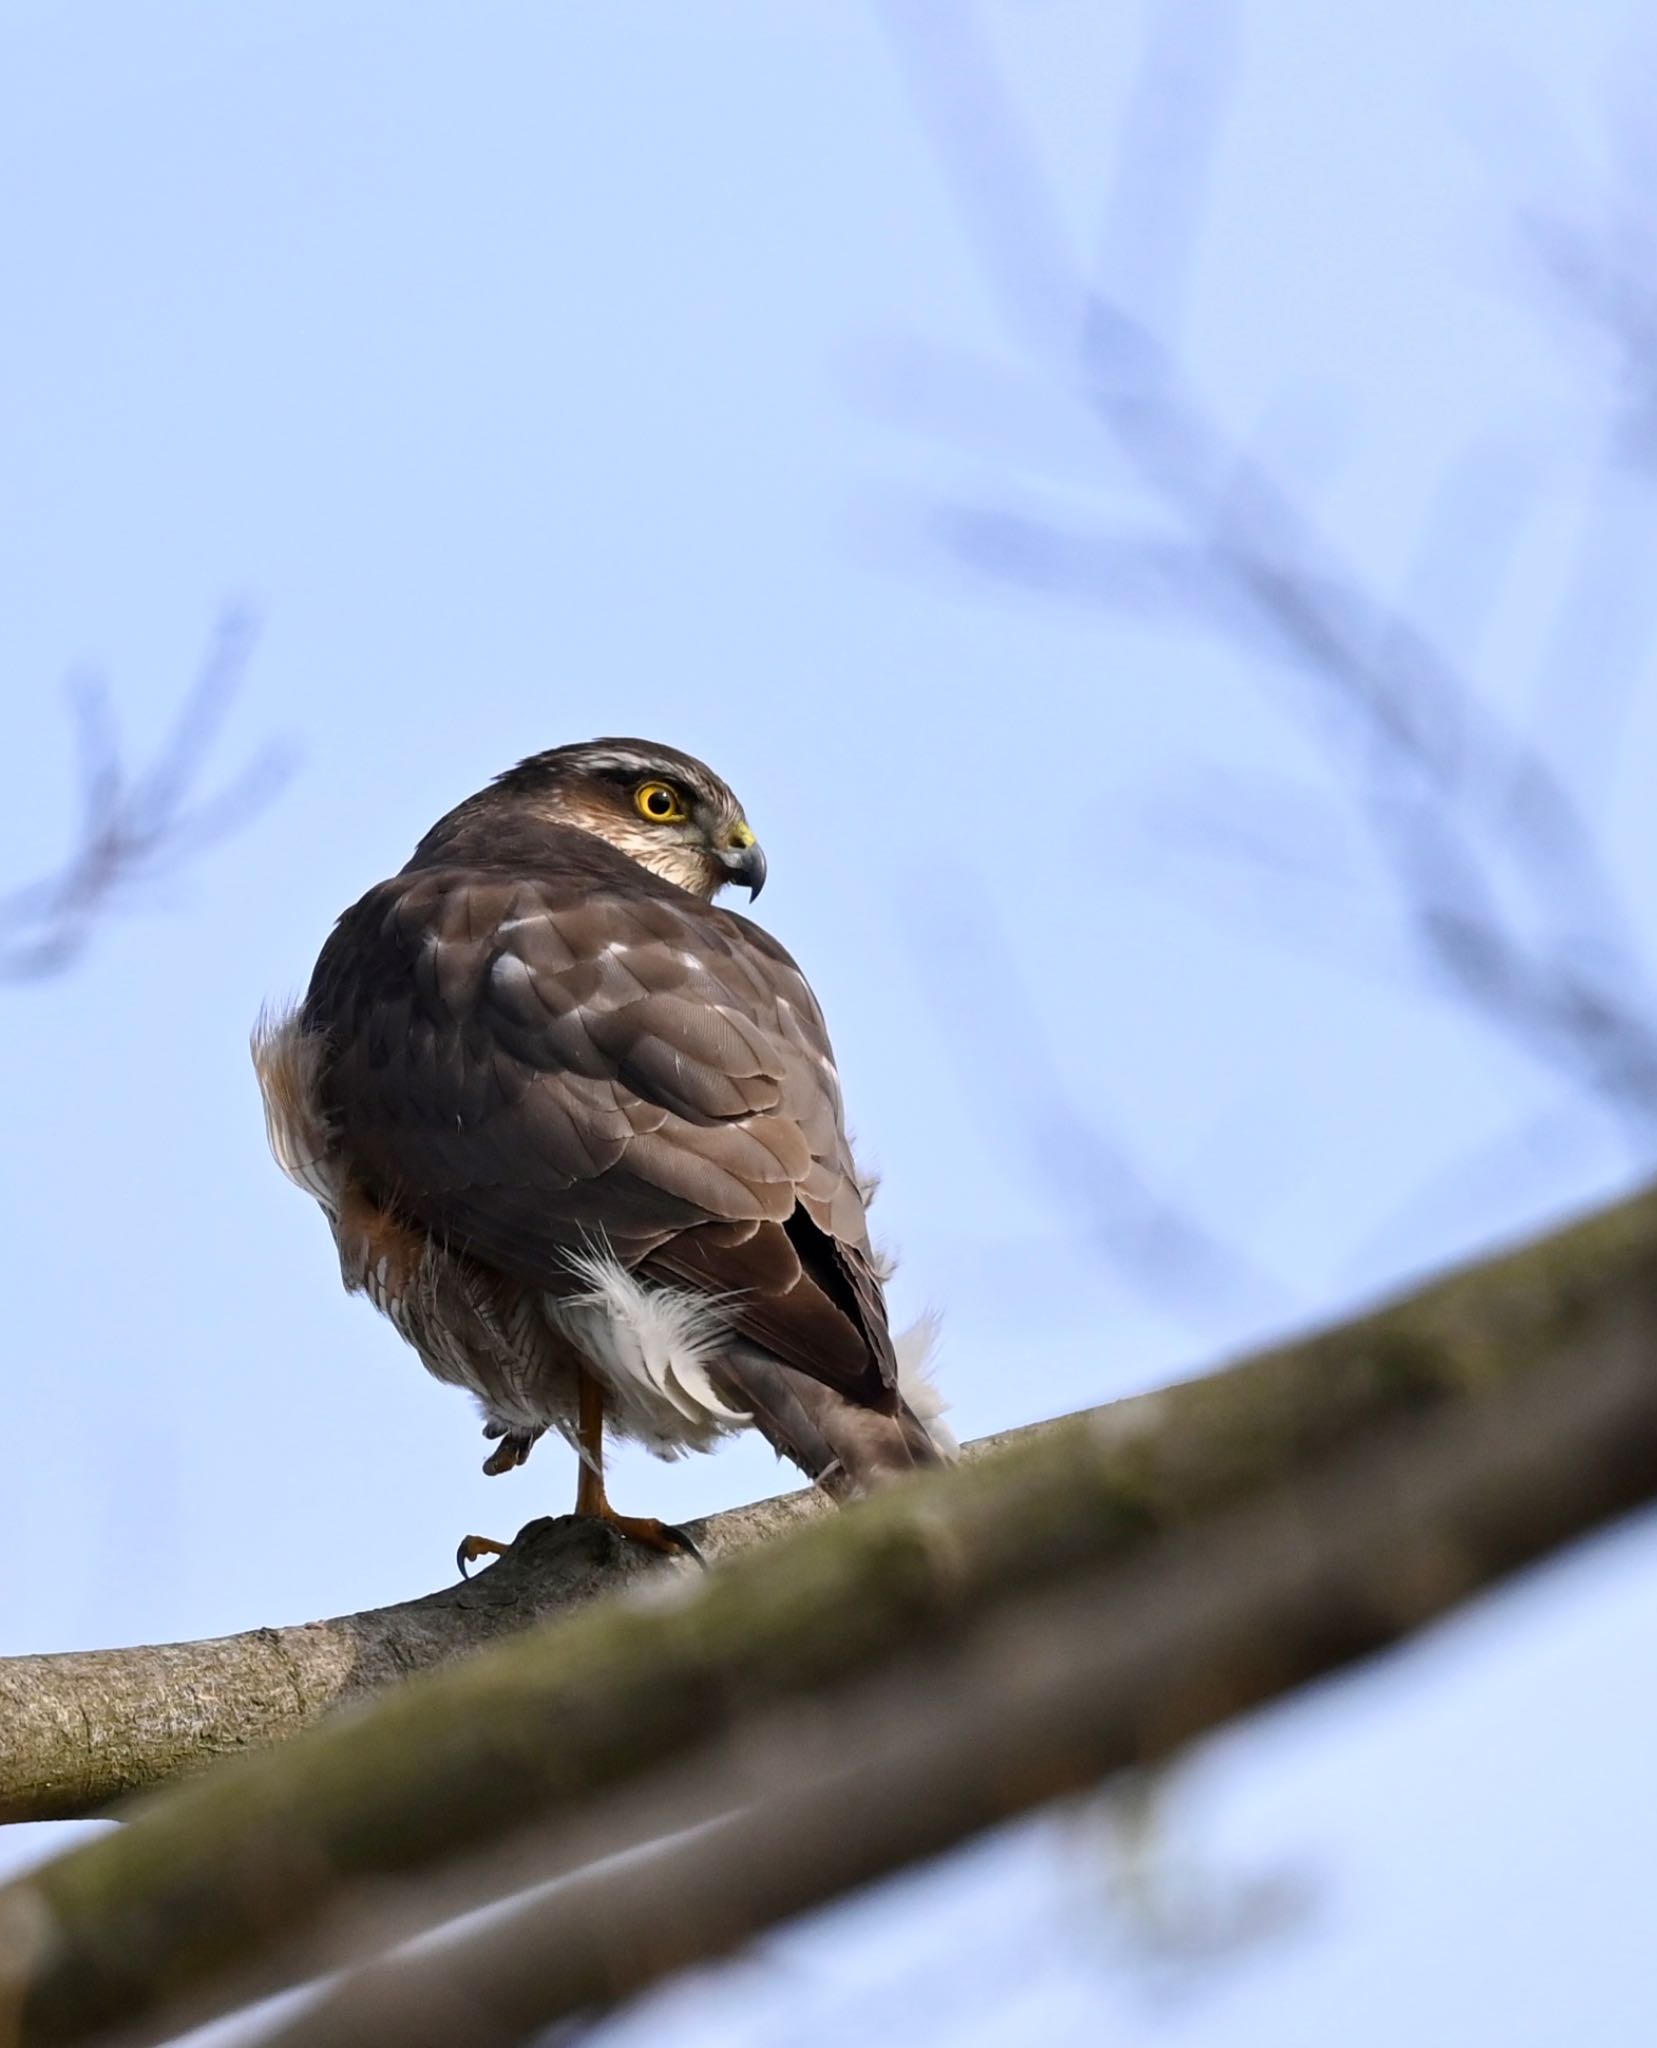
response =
{"points": [[626, 764]]}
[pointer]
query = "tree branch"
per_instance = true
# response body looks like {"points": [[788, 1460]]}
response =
{"points": [[251, 1860], [1043, 1699], [82, 1729]]}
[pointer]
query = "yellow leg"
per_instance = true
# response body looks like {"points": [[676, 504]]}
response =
{"points": [[590, 1497], [589, 1437]]}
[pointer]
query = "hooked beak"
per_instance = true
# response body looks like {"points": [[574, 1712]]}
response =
{"points": [[743, 860]]}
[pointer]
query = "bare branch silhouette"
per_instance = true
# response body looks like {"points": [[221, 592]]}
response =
{"points": [[1105, 1194], [138, 826], [1496, 873]]}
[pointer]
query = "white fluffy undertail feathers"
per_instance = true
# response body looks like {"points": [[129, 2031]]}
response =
{"points": [[657, 1340], [915, 1348]]}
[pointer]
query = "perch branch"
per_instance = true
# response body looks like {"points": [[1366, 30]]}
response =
{"points": [[253, 1859], [1042, 1699], [81, 1729]]}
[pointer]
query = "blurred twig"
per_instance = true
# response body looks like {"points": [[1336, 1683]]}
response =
{"points": [[1105, 1194], [138, 826], [1598, 268], [1601, 269], [1497, 874]]}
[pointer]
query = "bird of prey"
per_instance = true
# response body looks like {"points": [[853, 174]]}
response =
{"points": [[578, 1134]]}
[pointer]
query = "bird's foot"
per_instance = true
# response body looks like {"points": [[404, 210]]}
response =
{"points": [[473, 1547], [662, 1537], [514, 1447]]}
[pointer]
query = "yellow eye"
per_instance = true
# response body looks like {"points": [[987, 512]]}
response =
{"points": [[660, 802]]}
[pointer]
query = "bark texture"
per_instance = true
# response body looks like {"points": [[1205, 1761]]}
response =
{"points": [[83, 1729], [1041, 1698], [537, 1731]]}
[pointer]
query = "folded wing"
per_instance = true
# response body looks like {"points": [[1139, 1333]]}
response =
{"points": [[529, 1068]]}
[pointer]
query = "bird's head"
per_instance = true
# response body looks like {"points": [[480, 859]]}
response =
{"points": [[666, 810]]}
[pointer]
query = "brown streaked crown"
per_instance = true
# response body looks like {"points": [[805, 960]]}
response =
{"points": [[607, 787]]}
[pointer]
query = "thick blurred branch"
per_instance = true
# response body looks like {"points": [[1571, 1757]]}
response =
{"points": [[137, 827], [1116, 1668], [253, 1860]]}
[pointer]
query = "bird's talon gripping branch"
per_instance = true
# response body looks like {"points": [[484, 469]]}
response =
{"points": [[590, 1497], [472, 1548], [645, 1530], [683, 1541]]}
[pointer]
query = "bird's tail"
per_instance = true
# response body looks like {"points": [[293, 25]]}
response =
{"points": [[841, 1445]]}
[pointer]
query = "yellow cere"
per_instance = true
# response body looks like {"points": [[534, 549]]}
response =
{"points": [[660, 802], [742, 834]]}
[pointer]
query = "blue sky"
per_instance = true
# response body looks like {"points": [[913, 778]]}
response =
{"points": [[535, 372]]}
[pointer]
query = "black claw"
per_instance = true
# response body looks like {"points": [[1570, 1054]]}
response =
{"points": [[685, 1542], [471, 1548]]}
